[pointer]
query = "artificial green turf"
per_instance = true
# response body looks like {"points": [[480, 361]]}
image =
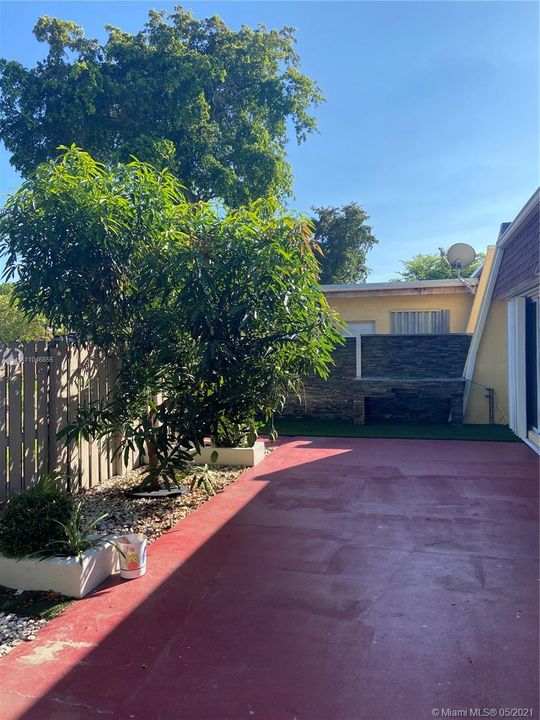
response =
{"points": [[29, 603], [340, 428]]}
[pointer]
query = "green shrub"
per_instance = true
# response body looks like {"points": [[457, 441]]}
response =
{"points": [[216, 311], [29, 521], [78, 535]]}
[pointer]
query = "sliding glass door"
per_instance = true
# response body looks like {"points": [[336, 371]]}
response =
{"points": [[532, 360]]}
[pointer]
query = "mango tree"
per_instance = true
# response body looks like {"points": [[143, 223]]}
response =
{"points": [[216, 311]]}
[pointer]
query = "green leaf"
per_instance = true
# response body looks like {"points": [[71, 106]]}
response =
{"points": [[211, 104]]}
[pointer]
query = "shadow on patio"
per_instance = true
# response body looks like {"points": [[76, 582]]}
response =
{"points": [[342, 579]]}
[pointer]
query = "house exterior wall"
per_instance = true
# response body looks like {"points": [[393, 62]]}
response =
{"points": [[403, 380], [518, 284], [377, 308], [498, 357], [491, 369]]}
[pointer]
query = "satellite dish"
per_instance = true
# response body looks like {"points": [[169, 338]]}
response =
{"points": [[460, 255]]}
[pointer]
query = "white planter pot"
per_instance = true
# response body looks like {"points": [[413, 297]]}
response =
{"points": [[248, 456], [63, 575], [132, 555]]}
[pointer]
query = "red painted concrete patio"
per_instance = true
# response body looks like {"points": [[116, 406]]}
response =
{"points": [[342, 579]]}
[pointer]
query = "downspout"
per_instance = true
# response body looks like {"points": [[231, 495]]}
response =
{"points": [[470, 362]]}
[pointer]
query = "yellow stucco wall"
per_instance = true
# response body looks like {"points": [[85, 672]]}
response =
{"points": [[491, 369], [377, 308], [481, 289]]}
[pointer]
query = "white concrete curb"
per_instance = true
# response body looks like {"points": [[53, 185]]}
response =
{"points": [[249, 456], [63, 575]]}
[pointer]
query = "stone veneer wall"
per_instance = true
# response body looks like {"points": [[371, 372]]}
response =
{"points": [[414, 356], [404, 378], [339, 397]]}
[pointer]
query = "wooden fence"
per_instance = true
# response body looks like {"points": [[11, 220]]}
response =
{"points": [[42, 385]]}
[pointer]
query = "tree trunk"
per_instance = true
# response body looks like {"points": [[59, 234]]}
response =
{"points": [[153, 462]]}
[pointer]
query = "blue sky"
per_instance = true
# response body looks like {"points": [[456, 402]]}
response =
{"points": [[432, 114]]}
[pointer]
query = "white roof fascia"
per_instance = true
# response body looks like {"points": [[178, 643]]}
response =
{"points": [[470, 362], [366, 287]]}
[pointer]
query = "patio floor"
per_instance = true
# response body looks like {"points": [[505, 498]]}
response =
{"points": [[342, 579]]}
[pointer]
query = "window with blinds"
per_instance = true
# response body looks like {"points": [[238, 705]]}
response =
{"points": [[431, 322]]}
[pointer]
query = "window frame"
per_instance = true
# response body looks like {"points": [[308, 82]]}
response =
{"points": [[358, 336]]}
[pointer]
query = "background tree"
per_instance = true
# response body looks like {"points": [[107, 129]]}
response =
{"points": [[210, 103], [15, 324], [345, 239], [435, 267], [217, 310]]}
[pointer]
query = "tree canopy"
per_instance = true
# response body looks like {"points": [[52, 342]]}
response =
{"points": [[15, 324], [344, 239], [217, 310], [210, 103], [435, 267]]}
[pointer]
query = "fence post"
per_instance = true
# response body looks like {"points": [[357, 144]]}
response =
{"points": [[42, 407], [84, 399], [58, 400], [93, 378], [15, 435], [74, 464], [29, 417], [103, 442], [116, 459]]}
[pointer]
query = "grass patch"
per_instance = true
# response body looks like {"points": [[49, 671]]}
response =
{"points": [[30, 603], [339, 428]]}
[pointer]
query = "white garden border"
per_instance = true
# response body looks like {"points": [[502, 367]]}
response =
{"points": [[248, 456], [64, 575]]}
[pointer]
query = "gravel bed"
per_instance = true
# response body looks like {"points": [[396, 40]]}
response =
{"points": [[15, 629], [153, 517]]}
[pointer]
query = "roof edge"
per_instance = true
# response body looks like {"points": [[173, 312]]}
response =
{"points": [[522, 216], [396, 285]]}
